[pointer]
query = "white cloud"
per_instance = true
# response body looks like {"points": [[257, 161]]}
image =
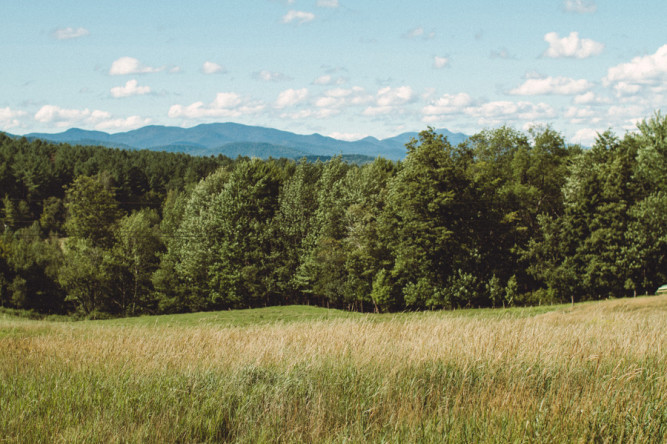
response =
{"points": [[579, 115], [69, 33], [328, 79], [586, 136], [131, 88], [645, 70], [62, 116], [268, 76], [447, 104], [552, 85], [589, 98], [130, 65], [626, 89], [291, 97], [440, 62], [388, 100], [225, 104], [499, 112], [9, 118], [580, 6], [323, 113], [341, 97], [571, 46], [348, 137], [299, 17], [212, 68], [395, 96], [328, 3], [99, 120], [129, 123]]}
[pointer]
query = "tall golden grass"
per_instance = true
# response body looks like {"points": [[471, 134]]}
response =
{"points": [[593, 373]]}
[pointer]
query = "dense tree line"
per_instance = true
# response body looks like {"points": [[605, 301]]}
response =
{"points": [[505, 218]]}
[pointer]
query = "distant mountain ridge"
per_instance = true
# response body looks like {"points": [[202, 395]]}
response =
{"points": [[233, 139]]}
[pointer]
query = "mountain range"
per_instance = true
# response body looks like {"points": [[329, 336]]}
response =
{"points": [[233, 139]]}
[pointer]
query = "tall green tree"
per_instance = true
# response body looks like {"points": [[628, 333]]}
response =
{"points": [[135, 255], [428, 218], [92, 211]]}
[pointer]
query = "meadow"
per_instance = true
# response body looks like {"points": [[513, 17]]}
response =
{"points": [[595, 372]]}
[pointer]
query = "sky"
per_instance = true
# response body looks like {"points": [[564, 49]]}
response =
{"points": [[342, 68]]}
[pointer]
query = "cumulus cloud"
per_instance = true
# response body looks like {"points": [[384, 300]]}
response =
{"points": [[268, 76], [498, 112], [643, 70], [328, 3], [446, 105], [623, 89], [131, 88], [586, 136], [10, 118], [580, 6], [291, 97], [212, 68], [99, 120], [579, 115], [298, 17], [130, 65], [69, 33], [225, 104], [395, 96], [121, 124], [589, 98], [342, 97], [388, 100], [552, 85], [440, 62], [571, 46]]}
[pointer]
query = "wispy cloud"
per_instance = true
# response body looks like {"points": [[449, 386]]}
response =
{"points": [[502, 53], [419, 33], [552, 85], [440, 62], [225, 104], [69, 33], [131, 88], [130, 65], [298, 17], [328, 3], [580, 6], [212, 68], [269, 76], [328, 79], [99, 120], [571, 46], [388, 100]]}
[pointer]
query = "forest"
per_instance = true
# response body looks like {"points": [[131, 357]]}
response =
{"points": [[505, 218]]}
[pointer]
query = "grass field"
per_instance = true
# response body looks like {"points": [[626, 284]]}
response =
{"points": [[593, 373]]}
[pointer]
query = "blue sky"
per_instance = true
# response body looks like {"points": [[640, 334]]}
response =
{"points": [[341, 68]]}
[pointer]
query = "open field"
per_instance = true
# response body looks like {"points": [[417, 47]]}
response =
{"points": [[593, 373]]}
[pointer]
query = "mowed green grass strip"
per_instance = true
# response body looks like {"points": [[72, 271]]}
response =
{"points": [[593, 373]]}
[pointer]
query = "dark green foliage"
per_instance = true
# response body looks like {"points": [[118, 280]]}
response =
{"points": [[504, 218]]}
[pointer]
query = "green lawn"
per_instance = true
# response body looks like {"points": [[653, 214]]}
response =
{"points": [[596, 372]]}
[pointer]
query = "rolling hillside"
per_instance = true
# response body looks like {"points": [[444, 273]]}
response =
{"points": [[232, 139]]}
